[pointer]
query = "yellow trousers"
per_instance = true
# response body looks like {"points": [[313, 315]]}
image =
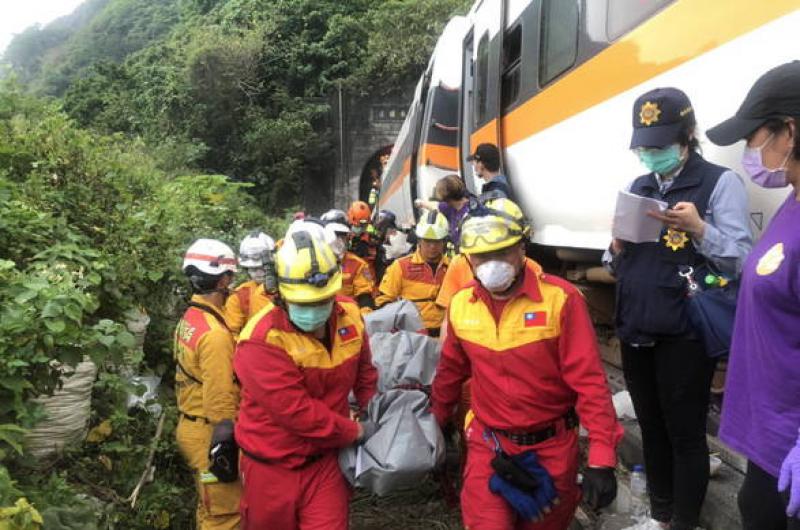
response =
{"points": [[217, 502]]}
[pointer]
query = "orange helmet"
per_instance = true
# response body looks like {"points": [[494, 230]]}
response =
{"points": [[359, 213]]}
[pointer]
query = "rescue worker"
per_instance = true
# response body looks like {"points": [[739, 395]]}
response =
{"points": [[386, 230], [417, 277], [667, 370], [357, 282], [298, 360], [206, 390], [363, 243], [250, 296], [527, 341]]}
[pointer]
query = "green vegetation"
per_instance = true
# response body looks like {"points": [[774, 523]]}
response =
{"points": [[127, 130], [238, 87]]}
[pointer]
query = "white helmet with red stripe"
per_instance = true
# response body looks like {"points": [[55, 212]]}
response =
{"points": [[210, 256]]}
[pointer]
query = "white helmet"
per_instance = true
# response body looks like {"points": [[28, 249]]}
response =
{"points": [[253, 247], [433, 225], [301, 225], [338, 246], [336, 220], [210, 257]]}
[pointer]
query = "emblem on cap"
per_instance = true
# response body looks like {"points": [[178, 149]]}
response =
{"points": [[675, 239], [649, 113]]}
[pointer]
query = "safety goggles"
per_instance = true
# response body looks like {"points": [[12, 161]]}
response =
{"points": [[490, 230]]}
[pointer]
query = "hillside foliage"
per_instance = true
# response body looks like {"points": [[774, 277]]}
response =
{"points": [[237, 87]]}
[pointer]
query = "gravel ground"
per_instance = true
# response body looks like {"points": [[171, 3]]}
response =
{"points": [[418, 509]]}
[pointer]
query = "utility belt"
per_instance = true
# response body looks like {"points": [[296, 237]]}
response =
{"points": [[568, 421], [195, 418], [308, 461]]}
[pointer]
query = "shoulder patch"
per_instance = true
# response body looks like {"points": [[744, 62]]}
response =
{"points": [[191, 327]]}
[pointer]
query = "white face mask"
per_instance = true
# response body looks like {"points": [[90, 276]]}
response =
{"points": [[495, 275], [257, 275]]}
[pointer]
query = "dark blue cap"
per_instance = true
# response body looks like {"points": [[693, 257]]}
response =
{"points": [[775, 95], [659, 116]]}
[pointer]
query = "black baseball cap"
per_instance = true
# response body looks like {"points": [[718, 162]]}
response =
{"points": [[658, 117], [776, 94], [486, 153]]}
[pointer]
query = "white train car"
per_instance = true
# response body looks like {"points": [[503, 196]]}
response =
{"points": [[426, 149], [552, 83]]}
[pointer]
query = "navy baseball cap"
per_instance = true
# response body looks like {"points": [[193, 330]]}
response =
{"points": [[776, 94], [658, 117], [489, 154]]}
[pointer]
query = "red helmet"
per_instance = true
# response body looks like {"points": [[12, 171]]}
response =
{"points": [[359, 213]]}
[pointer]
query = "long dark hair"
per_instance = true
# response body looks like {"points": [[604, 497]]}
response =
{"points": [[777, 125]]}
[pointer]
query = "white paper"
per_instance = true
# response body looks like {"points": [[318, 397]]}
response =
{"points": [[631, 222]]}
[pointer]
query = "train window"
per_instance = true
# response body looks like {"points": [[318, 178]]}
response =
{"points": [[482, 82], [512, 63], [559, 45], [624, 15]]}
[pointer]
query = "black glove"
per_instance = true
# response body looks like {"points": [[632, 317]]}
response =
{"points": [[368, 428], [599, 486], [223, 454]]}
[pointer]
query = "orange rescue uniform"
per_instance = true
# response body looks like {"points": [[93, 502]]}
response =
{"points": [[247, 300], [412, 279], [532, 359], [357, 280], [458, 275], [206, 393]]}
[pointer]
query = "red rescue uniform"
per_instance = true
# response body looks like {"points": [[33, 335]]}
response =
{"points": [[532, 359], [294, 417]]}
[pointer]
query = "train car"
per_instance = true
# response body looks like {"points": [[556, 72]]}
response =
{"points": [[552, 83], [426, 148]]}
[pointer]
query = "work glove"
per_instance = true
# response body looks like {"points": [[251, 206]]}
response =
{"points": [[223, 455], [524, 484], [790, 476], [524, 504], [368, 428], [599, 486]]}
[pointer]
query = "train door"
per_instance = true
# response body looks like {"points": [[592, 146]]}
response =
{"points": [[481, 103], [466, 111]]}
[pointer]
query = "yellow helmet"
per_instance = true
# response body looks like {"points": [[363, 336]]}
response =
{"points": [[307, 269], [433, 225], [496, 225]]}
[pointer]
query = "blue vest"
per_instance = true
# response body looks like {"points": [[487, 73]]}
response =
{"points": [[651, 295]]}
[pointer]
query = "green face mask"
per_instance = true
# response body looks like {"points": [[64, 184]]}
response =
{"points": [[661, 161], [310, 317]]}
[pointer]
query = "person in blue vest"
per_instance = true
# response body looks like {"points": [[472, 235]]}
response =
{"points": [[667, 371]]}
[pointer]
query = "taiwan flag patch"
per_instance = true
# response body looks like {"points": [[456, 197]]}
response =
{"points": [[347, 333], [535, 320]]}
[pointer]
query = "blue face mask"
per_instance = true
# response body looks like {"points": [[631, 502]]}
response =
{"points": [[310, 317], [661, 161]]}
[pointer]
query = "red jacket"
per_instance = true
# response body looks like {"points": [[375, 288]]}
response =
{"points": [[530, 367], [294, 390]]}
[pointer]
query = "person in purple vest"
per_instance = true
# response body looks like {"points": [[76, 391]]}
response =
{"points": [[761, 413], [667, 369]]}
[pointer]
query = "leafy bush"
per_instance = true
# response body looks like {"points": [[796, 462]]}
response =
{"points": [[95, 226]]}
